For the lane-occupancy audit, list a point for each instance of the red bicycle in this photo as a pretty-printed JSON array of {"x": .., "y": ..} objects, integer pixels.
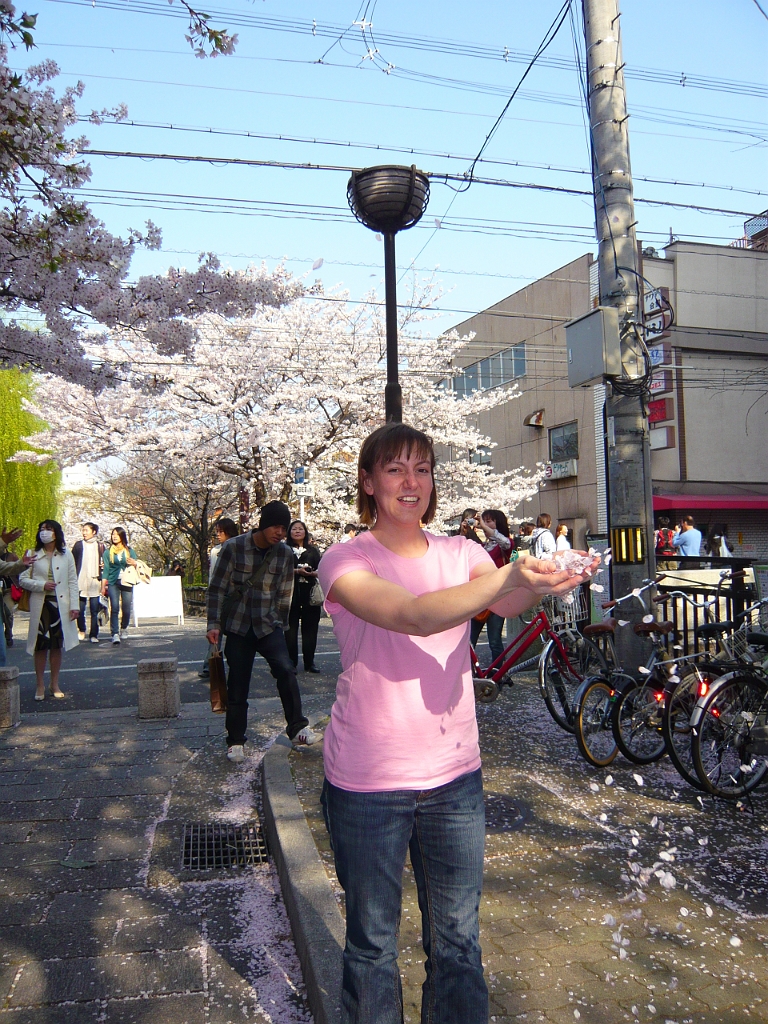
[{"x": 567, "y": 659}]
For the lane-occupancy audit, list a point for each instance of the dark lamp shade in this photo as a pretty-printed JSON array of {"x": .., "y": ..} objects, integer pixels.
[{"x": 388, "y": 198}]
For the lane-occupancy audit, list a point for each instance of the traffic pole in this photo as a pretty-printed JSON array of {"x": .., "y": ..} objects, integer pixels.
[{"x": 628, "y": 469}]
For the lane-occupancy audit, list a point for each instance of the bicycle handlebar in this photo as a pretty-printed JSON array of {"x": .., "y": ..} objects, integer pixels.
[
  {"x": 647, "y": 584},
  {"x": 660, "y": 598}
]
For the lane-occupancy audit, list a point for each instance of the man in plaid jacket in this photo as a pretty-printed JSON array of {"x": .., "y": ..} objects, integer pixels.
[{"x": 249, "y": 597}]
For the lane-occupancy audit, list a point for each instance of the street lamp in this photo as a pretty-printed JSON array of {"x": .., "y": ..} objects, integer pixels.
[{"x": 389, "y": 199}]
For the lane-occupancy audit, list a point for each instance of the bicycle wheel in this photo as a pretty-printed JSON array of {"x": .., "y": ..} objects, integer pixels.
[
  {"x": 593, "y": 710},
  {"x": 637, "y": 716},
  {"x": 679, "y": 701},
  {"x": 726, "y": 724},
  {"x": 559, "y": 677}
]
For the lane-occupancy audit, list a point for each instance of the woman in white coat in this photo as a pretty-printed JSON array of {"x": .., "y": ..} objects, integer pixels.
[{"x": 54, "y": 604}]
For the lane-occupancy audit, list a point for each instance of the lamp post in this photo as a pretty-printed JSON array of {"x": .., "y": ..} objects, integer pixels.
[{"x": 389, "y": 199}]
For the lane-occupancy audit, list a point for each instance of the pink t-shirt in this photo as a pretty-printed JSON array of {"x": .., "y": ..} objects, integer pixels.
[{"x": 404, "y": 715}]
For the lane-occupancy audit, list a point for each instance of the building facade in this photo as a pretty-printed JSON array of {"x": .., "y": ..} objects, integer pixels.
[{"x": 708, "y": 413}]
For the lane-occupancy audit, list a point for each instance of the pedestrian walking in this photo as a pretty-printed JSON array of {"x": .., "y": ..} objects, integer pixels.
[
  {"x": 249, "y": 598},
  {"x": 402, "y": 761},
  {"x": 498, "y": 544},
  {"x": 88, "y": 554},
  {"x": 116, "y": 559},
  {"x": 306, "y": 558},
  {"x": 54, "y": 604}
]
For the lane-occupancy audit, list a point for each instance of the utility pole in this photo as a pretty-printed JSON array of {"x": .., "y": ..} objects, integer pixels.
[{"x": 630, "y": 503}]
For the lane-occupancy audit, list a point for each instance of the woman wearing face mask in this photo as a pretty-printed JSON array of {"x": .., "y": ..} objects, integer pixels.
[{"x": 54, "y": 604}]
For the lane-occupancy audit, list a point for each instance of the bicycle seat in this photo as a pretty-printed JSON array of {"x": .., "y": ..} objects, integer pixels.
[
  {"x": 758, "y": 640},
  {"x": 710, "y": 629},
  {"x": 646, "y": 628},
  {"x": 598, "y": 628}
]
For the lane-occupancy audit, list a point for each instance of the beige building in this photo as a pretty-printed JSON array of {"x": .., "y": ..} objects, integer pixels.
[{"x": 708, "y": 413}]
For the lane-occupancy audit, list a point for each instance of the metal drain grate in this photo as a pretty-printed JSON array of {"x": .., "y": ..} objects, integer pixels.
[{"x": 205, "y": 847}]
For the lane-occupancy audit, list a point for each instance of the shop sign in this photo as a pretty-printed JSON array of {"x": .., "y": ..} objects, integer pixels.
[
  {"x": 661, "y": 409},
  {"x": 561, "y": 470}
]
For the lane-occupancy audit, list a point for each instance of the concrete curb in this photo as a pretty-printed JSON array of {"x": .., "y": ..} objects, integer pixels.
[{"x": 316, "y": 921}]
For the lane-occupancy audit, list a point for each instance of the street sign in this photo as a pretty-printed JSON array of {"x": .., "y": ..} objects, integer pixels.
[
  {"x": 561, "y": 470},
  {"x": 304, "y": 490},
  {"x": 655, "y": 306},
  {"x": 298, "y": 475}
]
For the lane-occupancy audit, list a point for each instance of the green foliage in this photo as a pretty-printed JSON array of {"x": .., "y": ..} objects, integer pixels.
[{"x": 28, "y": 493}]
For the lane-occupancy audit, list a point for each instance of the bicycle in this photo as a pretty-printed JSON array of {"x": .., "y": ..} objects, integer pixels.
[
  {"x": 615, "y": 711},
  {"x": 729, "y": 724},
  {"x": 566, "y": 660}
]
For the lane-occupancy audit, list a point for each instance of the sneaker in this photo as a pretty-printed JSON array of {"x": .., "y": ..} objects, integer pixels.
[
  {"x": 80, "y": 636},
  {"x": 115, "y": 638},
  {"x": 236, "y": 754},
  {"x": 124, "y": 634},
  {"x": 305, "y": 737},
  {"x": 94, "y": 639}
]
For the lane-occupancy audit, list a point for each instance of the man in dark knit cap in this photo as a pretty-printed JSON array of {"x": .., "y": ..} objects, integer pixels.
[{"x": 249, "y": 597}]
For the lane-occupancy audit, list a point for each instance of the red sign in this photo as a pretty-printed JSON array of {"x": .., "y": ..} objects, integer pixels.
[{"x": 661, "y": 409}]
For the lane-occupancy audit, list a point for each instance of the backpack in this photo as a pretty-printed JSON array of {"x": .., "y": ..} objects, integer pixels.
[{"x": 664, "y": 541}]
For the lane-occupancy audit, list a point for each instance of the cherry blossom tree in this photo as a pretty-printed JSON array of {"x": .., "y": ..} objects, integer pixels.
[
  {"x": 62, "y": 273},
  {"x": 299, "y": 385}
]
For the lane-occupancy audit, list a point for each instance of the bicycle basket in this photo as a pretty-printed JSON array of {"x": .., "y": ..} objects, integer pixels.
[{"x": 561, "y": 613}]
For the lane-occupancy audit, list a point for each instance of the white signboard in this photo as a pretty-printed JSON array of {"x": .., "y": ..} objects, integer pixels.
[
  {"x": 304, "y": 490},
  {"x": 161, "y": 598},
  {"x": 561, "y": 470},
  {"x": 654, "y": 308}
]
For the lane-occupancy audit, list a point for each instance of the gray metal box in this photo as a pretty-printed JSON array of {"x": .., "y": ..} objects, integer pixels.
[{"x": 593, "y": 347}]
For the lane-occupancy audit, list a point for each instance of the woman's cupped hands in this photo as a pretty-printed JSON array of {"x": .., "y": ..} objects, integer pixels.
[{"x": 542, "y": 576}]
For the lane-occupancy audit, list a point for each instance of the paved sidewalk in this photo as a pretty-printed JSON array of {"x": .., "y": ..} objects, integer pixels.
[
  {"x": 610, "y": 895},
  {"x": 97, "y": 920}
]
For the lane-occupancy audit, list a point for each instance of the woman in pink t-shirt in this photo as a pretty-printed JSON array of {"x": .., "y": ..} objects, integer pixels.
[{"x": 402, "y": 760}]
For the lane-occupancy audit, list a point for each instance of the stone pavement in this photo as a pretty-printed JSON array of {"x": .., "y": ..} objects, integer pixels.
[
  {"x": 610, "y": 895},
  {"x": 98, "y": 922}
]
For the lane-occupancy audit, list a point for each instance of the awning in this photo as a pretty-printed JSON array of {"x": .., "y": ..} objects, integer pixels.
[{"x": 686, "y": 501}]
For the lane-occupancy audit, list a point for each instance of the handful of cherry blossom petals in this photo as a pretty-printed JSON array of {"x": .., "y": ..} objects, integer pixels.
[{"x": 576, "y": 565}]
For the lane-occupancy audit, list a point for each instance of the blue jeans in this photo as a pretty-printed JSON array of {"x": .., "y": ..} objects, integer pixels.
[
  {"x": 444, "y": 829},
  {"x": 95, "y": 605},
  {"x": 494, "y": 624},
  {"x": 116, "y": 595}
]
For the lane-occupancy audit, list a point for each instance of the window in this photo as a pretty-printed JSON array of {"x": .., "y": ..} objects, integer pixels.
[
  {"x": 513, "y": 362},
  {"x": 482, "y": 457},
  {"x": 470, "y": 379},
  {"x": 564, "y": 442}
]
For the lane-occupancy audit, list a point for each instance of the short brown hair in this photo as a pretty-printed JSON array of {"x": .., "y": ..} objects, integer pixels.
[
  {"x": 545, "y": 520},
  {"x": 382, "y": 446}
]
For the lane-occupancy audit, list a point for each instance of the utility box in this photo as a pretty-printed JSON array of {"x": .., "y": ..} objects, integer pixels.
[{"x": 593, "y": 346}]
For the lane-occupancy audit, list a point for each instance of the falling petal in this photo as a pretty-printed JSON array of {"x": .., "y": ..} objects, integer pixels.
[
  {"x": 377, "y": 236},
  {"x": 603, "y": 817},
  {"x": 623, "y": 622},
  {"x": 317, "y": 264},
  {"x": 438, "y": 222},
  {"x": 635, "y": 841},
  {"x": 610, "y": 920},
  {"x": 674, "y": 679},
  {"x": 688, "y": 830},
  {"x": 735, "y": 940},
  {"x": 709, "y": 911},
  {"x": 638, "y": 779},
  {"x": 594, "y": 787},
  {"x": 576, "y": 1014},
  {"x": 654, "y": 821},
  {"x": 643, "y": 670},
  {"x": 704, "y": 841},
  {"x": 648, "y": 618},
  {"x": 668, "y": 880},
  {"x": 623, "y": 954},
  {"x": 609, "y": 780},
  {"x": 597, "y": 587}
]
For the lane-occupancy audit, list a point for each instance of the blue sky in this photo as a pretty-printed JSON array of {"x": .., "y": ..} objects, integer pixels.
[{"x": 438, "y": 103}]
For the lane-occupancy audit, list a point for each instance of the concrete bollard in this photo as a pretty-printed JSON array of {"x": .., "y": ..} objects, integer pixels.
[
  {"x": 10, "y": 713},
  {"x": 159, "y": 695}
]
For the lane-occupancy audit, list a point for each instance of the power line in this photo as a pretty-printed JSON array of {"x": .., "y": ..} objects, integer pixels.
[
  {"x": 424, "y": 44},
  {"x": 434, "y": 175},
  {"x": 411, "y": 151}
]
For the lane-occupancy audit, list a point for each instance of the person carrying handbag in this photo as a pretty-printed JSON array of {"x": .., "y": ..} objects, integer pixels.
[
  {"x": 499, "y": 546},
  {"x": 117, "y": 558}
]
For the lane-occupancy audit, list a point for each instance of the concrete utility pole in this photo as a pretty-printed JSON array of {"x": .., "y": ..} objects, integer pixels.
[{"x": 630, "y": 504}]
